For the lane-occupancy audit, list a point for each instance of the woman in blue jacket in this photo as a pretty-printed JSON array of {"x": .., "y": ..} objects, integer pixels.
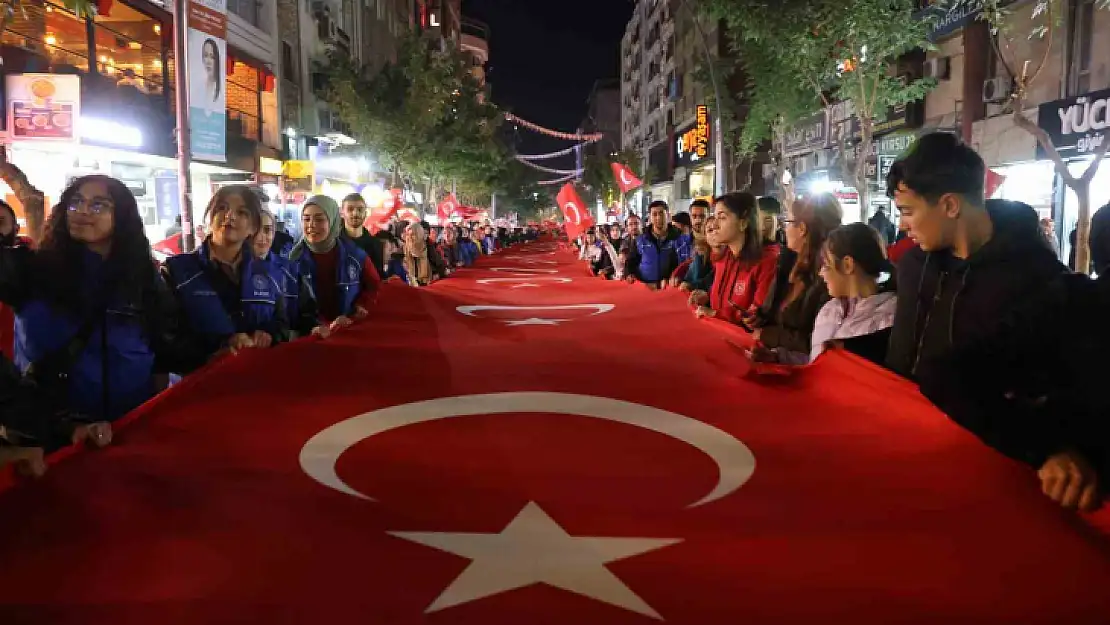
[
  {"x": 94, "y": 321},
  {"x": 231, "y": 299}
]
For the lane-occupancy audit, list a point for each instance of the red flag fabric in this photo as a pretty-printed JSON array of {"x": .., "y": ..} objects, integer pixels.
[
  {"x": 541, "y": 447},
  {"x": 448, "y": 207},
  {"x": 994, "y": 181},
  {"x": 626, "y": 180},
  {"x": 575, "y": 214}
]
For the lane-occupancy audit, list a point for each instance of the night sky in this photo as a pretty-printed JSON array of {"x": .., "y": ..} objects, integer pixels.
[{"x": 545, "y": 56}]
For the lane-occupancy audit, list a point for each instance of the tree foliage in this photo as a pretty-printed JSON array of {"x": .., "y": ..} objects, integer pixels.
[
  {"x": 800, "y": 55},
  {"x": 423, "y": 115}
]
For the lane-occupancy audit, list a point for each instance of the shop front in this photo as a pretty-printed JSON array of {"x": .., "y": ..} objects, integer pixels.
[
  {"x": 1078, "y": 128},
  {"x": 694, "y": 170}
]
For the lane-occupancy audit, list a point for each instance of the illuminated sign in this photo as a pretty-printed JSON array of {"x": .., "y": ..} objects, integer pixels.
[
  {"x": 269, "y": 166},
  {"x": 692, "y": 143}
]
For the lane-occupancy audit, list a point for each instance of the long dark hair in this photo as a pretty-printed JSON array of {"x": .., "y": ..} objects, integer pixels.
[
  {"x": 744, "y": 206},
  {"x": 821, "y": 214},
  {"x": 129, "y": 267},
  {"x": 866, "y": 247}
]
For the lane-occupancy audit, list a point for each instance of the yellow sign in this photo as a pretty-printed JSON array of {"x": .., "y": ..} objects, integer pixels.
[
  {"x": 269, "y": 166},
  {"x": 299, "y": 169}
]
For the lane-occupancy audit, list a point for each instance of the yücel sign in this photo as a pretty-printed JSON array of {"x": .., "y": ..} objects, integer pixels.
[
  {"x": 1077, "y": 125},
  {"x": 692, "y": 144}
]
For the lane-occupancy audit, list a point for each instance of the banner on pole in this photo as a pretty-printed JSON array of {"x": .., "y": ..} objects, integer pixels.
[{"x": 207, "y": 71}]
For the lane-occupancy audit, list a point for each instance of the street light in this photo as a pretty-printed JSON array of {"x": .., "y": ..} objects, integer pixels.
[{"x": 718, "y": 136}]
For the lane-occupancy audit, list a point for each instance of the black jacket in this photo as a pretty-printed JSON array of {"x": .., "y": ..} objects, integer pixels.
[
  {"x": 945, "y": 302},
  {"x": 1033, "y": 386}
]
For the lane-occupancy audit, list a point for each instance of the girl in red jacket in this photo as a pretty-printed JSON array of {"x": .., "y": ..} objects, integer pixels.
[{"x": 744, "y": 269}]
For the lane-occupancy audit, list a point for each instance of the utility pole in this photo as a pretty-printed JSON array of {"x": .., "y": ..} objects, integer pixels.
[{"x": 181, "y": 88}]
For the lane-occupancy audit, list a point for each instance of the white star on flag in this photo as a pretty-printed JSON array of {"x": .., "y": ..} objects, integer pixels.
[{"x": 534, "y": 549}]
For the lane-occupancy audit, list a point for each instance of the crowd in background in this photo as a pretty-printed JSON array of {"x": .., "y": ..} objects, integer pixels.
[
  {"x": 966, "y": 297},
  {"x": 92, "y": 326}
]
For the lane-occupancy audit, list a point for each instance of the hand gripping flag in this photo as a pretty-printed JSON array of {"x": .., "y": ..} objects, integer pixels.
[{"x": 626, "y": 180}]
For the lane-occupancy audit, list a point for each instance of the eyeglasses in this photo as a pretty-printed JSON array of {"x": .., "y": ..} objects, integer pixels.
[{"x": 96, "y": 206}]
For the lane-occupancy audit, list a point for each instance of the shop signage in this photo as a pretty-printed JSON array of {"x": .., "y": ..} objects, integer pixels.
[
  {"x": 299, "y": 175},
  {"x": 947, "y": 16},
  {"x": 208, "y": 79},
  {"x": 692, "y": 144},
  {"x": 43, "y": 107},
  {"x": 269, "y": 166},
  {"x": 807, "y": 135},
  {"x": 1078, "y": 126},
  {"x": 166, "y": 197}
]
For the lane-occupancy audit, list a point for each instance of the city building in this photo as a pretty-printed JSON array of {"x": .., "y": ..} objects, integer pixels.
[{"x": 475, "y": 42}]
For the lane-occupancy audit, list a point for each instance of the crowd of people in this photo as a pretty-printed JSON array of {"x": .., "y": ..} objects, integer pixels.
[
  {"x": 92, "y": 326},
  {"x": 966, "y": 297}
]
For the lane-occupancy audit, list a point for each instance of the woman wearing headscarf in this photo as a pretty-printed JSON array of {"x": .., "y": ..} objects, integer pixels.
[
  {"x": 417, "y": 265},
  {"x": 247, "y": 309},
  {"x": 343, "y": 277}
]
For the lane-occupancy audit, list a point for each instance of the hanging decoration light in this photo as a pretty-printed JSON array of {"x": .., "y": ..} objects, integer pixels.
[
  {"x": 570, "y": 150},
  {"x": 558, "y": 180},
  {"x": 548, "y": 170},
  {"x": 596, "y": 136}
]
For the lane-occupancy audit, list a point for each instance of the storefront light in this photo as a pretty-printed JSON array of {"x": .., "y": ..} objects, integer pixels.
[
  {"x": 111, "y": 133},
  {"x": 823, "y": 186},
  {"x": 291, "y": 132}
]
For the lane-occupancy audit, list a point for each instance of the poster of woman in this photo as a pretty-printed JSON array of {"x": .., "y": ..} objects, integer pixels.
[{"x": 208, "y": 79}]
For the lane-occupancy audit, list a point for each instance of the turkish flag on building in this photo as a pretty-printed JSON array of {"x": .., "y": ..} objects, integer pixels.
[
  {"x": 575, "y": 213},
  {"x": 448, "y": 207},
  {"x": 994, "y": 181},
  {"x": 626, "y": 180}
]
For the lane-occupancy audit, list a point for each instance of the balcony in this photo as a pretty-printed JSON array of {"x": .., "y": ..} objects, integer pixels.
[{"x": 475, "y": 39}]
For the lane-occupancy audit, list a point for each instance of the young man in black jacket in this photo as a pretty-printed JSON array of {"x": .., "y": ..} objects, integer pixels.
[{"x": 982, "y": 305}]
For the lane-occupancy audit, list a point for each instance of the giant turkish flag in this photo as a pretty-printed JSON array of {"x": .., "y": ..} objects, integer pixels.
[{"x": 520, "y": 444}]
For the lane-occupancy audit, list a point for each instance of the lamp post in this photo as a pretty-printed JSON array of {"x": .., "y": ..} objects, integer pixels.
[
  {"x": 181, "y": 93},
  {"x": 718, "y": 136}
]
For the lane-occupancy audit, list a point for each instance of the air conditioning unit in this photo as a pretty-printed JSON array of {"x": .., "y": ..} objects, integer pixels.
[
  {"x": 997, "y": 90},
  {"x": 938, "y": 68}
]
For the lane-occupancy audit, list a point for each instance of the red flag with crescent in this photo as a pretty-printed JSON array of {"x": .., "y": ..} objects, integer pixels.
[
  {"x": 626, "y": 180},
  {"x": 448, "y": 207},
  {"x": 575, "y": 213},
  {"x": 994, "y": 181}
]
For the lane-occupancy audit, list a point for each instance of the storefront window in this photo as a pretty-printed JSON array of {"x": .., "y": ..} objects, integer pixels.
[
  {"x": 129, "y": 48},
  {"x": 242, "y": 101},
  {"x": 701, "y": 183},
  {"x": 45, "y": 38}
]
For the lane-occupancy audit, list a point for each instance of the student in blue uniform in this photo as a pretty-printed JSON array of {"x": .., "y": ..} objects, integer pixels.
[
  {"x": 300, "y": 301},
  {"x": 231, "y": 299}
]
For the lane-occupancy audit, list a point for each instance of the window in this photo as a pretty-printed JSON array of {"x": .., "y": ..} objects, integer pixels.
[
  {"x": 288, "y": 63},
  {"x": 246, "y": 9},
  {"x": 129, "y": 47},
  {"x": 243, "y": 112},
  {"x": 45, "y": 38},
  {"x": 1086, "y": 17}
]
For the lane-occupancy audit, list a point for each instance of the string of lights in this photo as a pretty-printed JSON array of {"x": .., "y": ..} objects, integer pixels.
[
  {"x": 552, "y": 133},
  {"x": 540, "y": 157},
  {"x": 558, "y": 180},
  {"x": 548, "y": 170}
]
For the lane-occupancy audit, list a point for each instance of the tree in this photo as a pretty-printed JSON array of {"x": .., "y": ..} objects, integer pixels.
[
  {"x": 422, "y": 115},
  {"x": 1024, "y": 66},
  {"x": 800, "y": 55}
]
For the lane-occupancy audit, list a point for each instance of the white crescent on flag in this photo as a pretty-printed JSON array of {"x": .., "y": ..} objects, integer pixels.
[
  {"x": 577, "y": 216},
  {"x": 624, "y": 177}
]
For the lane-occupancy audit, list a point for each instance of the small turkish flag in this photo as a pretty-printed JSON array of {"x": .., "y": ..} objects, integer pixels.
[
  {"x": 448, "y": 207},
  {"x": 626, "y": 180},
  {"x": 575, "y": 213},
  {"x": 994, "y": 181}
]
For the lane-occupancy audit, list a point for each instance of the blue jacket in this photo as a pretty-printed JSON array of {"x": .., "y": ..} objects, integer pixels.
[
  {"x": 260, "y": 303},
  {"x": 115, "y": 372},
  {"x": 654, "y": 260},
  {"x": 489, "y": 243},
  {"x": 349, "y": 273},
  {"x": 290, "y": 284},
  {"x": 684, "y": 247},
  {"x": 700, "y": 273},
  {"x": 396, "y": 267}
]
